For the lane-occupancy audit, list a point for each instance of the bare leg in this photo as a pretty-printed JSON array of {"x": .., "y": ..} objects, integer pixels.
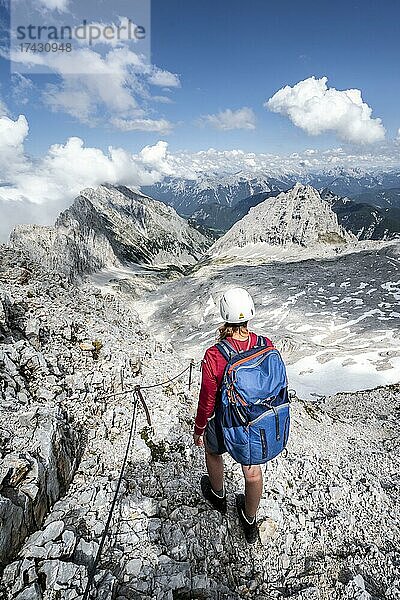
[
  {"x": 253, "y": 489},
  {"x": 215, "y": 468}
]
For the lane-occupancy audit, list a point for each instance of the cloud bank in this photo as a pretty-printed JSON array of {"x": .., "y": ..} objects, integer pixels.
[
  {"x": 36, "y": 191},
  {"x": 316, "y": 108}
]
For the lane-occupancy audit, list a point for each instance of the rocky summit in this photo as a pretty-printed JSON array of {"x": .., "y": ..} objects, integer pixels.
[
  {"x": 112, "y": 227},
  {"x": 297, "y": 217},
  {"x": 328, "y": 518}
]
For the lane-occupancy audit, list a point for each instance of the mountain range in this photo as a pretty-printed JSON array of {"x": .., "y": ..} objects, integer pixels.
[
  {"x": 116, "y": 228},
  {"x": 188, "y": 195},
  {"x": 386, "y": 198},
  {"x": 216, "y": 203}
]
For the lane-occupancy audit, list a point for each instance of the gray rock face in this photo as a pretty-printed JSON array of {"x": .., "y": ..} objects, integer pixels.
[
  {"x": 40, "y": 446},
  {"x": 38, "y": 463},
  {"x": 111, "y": 227},
  {"x": 297, "y": 217}
]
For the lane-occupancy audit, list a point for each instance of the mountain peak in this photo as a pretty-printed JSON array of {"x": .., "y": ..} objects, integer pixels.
[
  {"x": 303, "y": 188},
  {"x": 112, "y": 226},
  {"x": 298, "y": 217}
]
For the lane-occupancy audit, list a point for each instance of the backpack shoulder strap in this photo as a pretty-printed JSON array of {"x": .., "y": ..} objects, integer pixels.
[
  {"x": 226, "y": 349},
  {"x": 261, "y": 341}
]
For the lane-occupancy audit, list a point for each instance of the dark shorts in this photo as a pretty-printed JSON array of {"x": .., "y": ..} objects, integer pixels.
[{"x": 214, "y": 438}]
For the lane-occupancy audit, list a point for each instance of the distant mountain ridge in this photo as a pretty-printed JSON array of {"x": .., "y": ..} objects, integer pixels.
[
  {"x": 221, "y": 218},
  {"x": 365, "y": 221},
  {"x": 188, "y": 195},
  {"x": 387, "y": 198}
]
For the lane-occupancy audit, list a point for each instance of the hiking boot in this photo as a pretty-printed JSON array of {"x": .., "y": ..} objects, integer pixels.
[
  {"x": 250, "y": 529},
  {"x": 219, "y": 503}
]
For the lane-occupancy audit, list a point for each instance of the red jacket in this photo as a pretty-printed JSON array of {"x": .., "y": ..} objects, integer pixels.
[{"x": 213, "y": 367}]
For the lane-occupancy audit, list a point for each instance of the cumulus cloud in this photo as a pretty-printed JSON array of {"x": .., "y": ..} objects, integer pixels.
[
  {"x": 164, "y": 78},
  {"x": 95, "y": 88},
  {"x": 36, "y": 191},
  {"x": 161, "y": 126},
  {"x": 316, "y": 108},
  {"x": 243, "y": 118}
]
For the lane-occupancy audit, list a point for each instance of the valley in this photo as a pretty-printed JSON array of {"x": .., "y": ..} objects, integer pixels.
[{"x": 335, "y": 320}]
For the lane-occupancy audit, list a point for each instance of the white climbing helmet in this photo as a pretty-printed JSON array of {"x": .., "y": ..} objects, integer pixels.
[{"x": 236, "y": 306}]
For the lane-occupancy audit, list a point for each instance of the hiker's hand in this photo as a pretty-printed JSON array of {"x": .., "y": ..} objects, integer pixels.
[{"x": 198, "y": 440}]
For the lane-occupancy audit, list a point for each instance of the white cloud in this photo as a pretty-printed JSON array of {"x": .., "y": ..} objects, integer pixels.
[
  {"x": 243, "y": 118},
  {"x": 156, "y": 157},
  {"x": 3, "y": 108},
  {"x": 162, "y": 99},
  {"x": 111, "y": 33},
  {"x": 95, "y": 88},
  {"x": 21, "y": 88},
  {"x": 161, "y": 126},
  {"x": 109, "y": 85},
  {"x": 36, "y": 191},
  {"x": 60, "y": 5},
  {"x": 221, "y": 163},
  {"x": 164, "y": 78},
  {"x": 12, "y": 137},
  {"x": 316, "y": 109}
]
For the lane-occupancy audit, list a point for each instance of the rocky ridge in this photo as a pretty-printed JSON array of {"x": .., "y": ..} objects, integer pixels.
[
  {"x": 365, "y": 221},
  {"x": 328, "y": 519},
  {"x": 298, "y": 217},
  {"x": 112, "y": 227}
]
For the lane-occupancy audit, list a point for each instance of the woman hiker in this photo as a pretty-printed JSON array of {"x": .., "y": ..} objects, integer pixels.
[{"x": 236, "y": 308}]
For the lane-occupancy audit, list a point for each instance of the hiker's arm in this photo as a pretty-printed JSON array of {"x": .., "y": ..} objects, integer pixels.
[{"x": 208, "y": 395}]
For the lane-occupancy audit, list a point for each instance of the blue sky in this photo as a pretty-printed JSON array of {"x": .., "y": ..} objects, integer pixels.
[
  {"x": 235, "y": 54},
  {"x": 238, "y": 53}
]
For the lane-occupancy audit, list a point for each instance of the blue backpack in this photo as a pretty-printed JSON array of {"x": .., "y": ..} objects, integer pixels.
[{"x": 254, "y": 408}]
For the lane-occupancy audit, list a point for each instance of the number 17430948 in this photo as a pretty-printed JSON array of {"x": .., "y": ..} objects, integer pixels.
[{"x": 45, "y": 47}]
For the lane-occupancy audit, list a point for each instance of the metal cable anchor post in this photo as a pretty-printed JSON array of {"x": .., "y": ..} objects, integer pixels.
[{"x": 191, "y": 371}]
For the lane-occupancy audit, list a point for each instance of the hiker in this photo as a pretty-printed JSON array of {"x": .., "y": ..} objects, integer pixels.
[{"x": 236, "y": 308}]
